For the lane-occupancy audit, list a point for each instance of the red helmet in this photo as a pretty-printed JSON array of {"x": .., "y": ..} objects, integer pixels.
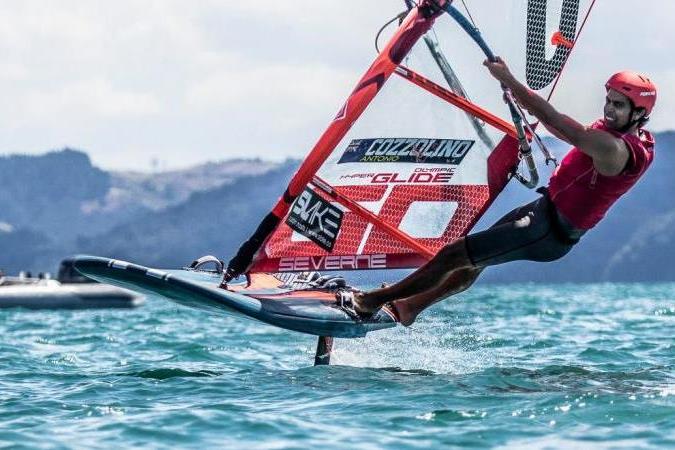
[{"x": 636, "y": 87}]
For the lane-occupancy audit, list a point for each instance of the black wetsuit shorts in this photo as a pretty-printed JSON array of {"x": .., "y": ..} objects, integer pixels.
[{"x": 533, "y": 232}]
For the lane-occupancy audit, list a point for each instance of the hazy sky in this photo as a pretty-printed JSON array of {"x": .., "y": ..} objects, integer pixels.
[{"x": 183, "y": 82}]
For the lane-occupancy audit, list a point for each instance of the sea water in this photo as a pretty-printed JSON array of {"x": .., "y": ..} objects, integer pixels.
[{"x": 559, "y": 366}]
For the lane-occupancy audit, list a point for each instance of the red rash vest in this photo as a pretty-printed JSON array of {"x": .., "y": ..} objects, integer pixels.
[{"x": 582, "y": 195}]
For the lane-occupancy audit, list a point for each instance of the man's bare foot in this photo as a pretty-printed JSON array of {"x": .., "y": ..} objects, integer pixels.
[
  {"x": 400, "y": 309},
  {"x": 361, "y": 306},
  {"x": 404, "y": 314}
]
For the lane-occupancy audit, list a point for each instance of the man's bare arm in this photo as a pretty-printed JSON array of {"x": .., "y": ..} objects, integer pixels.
[{"x": 609, "y": 153}]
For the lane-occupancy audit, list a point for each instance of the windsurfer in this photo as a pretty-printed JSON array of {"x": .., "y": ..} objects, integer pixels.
[{"x": 607, "y": 159}]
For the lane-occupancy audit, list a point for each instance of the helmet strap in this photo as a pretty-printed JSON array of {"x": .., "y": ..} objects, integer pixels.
[{"x": 631, "y": 123}]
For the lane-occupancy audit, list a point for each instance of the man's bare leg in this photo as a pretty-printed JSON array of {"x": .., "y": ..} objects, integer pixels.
[
  {"x": 430, "y": 276},
  {"x": 409, "y": 308}
]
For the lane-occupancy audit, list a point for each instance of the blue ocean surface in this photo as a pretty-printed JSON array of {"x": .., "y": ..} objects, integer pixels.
[{"x": 510, "y": 366}]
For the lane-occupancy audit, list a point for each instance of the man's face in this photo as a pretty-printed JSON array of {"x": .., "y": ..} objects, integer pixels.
[{"x": 617, "y": 110}]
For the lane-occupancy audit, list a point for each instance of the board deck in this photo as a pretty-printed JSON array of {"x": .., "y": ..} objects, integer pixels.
[{"x": 307, "y": 311}]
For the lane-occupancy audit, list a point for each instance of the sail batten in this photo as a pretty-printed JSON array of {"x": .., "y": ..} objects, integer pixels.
[{"x": 457, "y": 100}]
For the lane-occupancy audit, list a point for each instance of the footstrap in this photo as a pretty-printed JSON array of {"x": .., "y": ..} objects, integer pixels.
[{"x": 345, "y": 300}]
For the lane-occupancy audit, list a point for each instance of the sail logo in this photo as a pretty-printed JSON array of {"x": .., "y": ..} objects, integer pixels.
[
  {"x": 407, "y": 150},
  {"x": 316, "y": 219},
  {"x": 332, "y": 262},
  {"x": 539, "y": 70}
]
